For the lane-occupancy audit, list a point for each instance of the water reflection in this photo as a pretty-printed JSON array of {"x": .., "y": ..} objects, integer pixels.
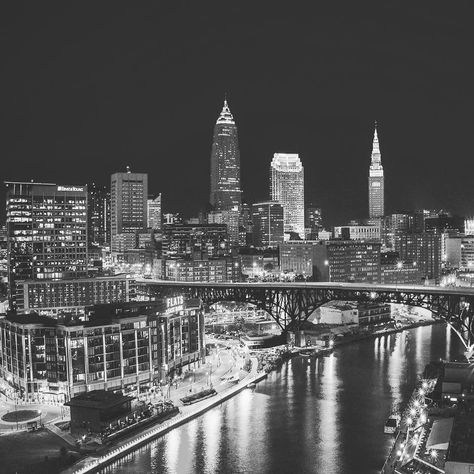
[{"x": 324, "y": 415}]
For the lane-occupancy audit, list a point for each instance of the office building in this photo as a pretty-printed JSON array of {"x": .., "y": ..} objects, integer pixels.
[
  {"x": 125, "y": 346},
  {"x": 424, "y": 249},
  {"x": 195, "y": 241},
  {"x": 358, "y": 232},
  {"x": 267, "y": 228},
  {"x": 347, "y": 261},
  {"x": 128, "y": 208},
  {"x": 225, "y": 163},
  {"x": 98, "y": 215},
  {"x": 212, "y": 270},
  {"x": 376, "y": 181},
  {"x": 154, "y": 213},
  {"x": 287, "y": 188},
  {"x": 314, "y": 221},
  {"x": 296, "y": 256},
  {"x": 46, "y": 232},
  {"x": 231, "y": 218},
  {"x": 70, "y": 297}
]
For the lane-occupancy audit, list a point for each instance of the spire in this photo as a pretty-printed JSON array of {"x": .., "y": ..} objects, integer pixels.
[
  {"x": 226, "y": 115},
  {"x": 376, "y": 158}
]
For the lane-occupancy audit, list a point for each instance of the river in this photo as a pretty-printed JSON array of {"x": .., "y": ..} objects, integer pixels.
[{"x": 311, "y": 416}]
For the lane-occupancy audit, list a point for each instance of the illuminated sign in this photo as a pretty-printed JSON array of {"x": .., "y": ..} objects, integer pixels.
[{"x": 71, "y": 188}]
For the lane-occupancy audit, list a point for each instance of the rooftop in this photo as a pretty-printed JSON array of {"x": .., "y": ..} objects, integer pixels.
[{"x": 99, "y": 399}]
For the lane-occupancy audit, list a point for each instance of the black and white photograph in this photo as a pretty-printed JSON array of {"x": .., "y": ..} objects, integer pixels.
[{"x": 236, "y": 237}]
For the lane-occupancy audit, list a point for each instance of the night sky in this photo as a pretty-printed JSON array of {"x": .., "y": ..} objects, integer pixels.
[{"x": 90, "y": 87}]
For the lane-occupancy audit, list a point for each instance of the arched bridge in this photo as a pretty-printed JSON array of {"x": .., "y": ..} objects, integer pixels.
[{"x": 290, "y": 304}]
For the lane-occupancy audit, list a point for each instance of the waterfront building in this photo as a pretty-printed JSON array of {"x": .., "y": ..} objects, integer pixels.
[
  {"x": 296, "y": 256},
  {"x": 129, "y": 192},
  {"x": 358, "y": 232},
  {"x": 154, "y": 213},
  {"x": 287, "y": 188},
  {"x": 123, "y": 346},
  {"x": 268, "y": 226},
  {"x": 71, "y": 297},
  {"x": 347, "y": 261},
  {"x": 376, "y": 181},
  {"x": 46, "y": 232},
  {"x": 195, "y": 241},
  {"x": 352, "y": 312},
  {"x": 422, "y": 248},
  {"x": 225, "y": 163},
  {"x": 209, "y": 270},
  {"x": 98, "y": 215}
]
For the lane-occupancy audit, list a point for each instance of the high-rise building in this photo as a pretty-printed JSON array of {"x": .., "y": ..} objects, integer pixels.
[
  {"x": 128, "y": 208},
  {"x": 422, "y": 249},
  {"x": 314, "y": 221},
  {"x": 154, "y": 213},
  {"x": 98, "y": 215},
  {"x": 376, "y": 181},
  {"x": 46, "y": 232},
  {"x": 267, "y": 218},
  {"x": 287, "y": 188},
  {"x": 225, "y": 163}
]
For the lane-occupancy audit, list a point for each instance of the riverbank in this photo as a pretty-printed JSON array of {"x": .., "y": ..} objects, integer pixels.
[
  {"x": 91, "y": 465},
  {"x": 258, "y": 372}
]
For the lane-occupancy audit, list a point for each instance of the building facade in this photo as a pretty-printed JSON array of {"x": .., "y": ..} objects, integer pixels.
[
  {"x": 376, "y": 181},
  {"x": 98, "y": 215},
  {"x": 128, "y": 208},
  {"x": 268, "y": 227},
  {"x": 154, "y": 213},
  {"x": 358, "y": 232},
  {"x": 46, "y": 232},
  {"x": 297, "y": 257},
  {"x": 287, "y": 188},
  {"x": 423, "y": 249},
  {"x": 211, "y": 270},
  {"x": 127, "y": 346},
  {"x": 71, "y": 297},
  {"x": 225, "y": 163},
  {"x": 347, "y": 261}
]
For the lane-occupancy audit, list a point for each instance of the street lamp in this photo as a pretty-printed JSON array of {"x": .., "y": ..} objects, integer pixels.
[{"x": 399, "y": 268}]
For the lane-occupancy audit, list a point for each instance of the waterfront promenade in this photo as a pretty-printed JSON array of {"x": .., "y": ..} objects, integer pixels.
[{"x": 91, "y": 464}]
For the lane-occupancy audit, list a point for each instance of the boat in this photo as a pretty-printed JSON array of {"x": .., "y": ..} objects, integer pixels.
[
  {"x": 251, "y": 385},
  {"x": 392, "y": 423}
]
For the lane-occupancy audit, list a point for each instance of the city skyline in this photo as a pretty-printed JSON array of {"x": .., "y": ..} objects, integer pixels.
[{"x": 116, "y": 118}]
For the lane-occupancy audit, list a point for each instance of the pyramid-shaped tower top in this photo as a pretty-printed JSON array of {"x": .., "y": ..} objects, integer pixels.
[
  {"x": 376, "y": 158},
  {"x": 226, "y": 116}
]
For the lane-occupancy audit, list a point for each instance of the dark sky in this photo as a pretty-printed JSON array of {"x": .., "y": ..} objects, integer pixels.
[{"x": 90, "y": 87}]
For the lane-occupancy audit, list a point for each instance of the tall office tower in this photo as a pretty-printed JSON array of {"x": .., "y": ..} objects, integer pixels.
[
  {"x": 376, "y": 181},
  {"x": 314, "y": 221},
  {"x": 128, "y": 208},
  {"x": 267, "y": 218},
  {"x": 98, "y": 215},
  {"x": 46, "y": 232},
  {"x": 287, "y": 188},
  {"x": 154, "y": 213},
  {"x": 225, "y": 163}
]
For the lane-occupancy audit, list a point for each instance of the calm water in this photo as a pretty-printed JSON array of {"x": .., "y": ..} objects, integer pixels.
[{"x": 324, "y": 416}]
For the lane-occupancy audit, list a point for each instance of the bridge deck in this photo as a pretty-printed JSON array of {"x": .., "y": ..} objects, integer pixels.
[{"x": 416, "y": 289}]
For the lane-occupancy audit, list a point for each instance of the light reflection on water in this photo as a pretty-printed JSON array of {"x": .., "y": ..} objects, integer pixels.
[{"x": 319, "y": 416}]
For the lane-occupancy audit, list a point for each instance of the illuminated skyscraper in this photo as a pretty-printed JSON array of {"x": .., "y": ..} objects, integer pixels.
[
  {"x": 128, "y": 208},
  {"x": 98, "y": 215},
  {"x": 287, "y": 188},
  {"x": 46, "y": 233},
  {"x": 376, "y": 181},
  {"x": 154, "y": 213},
  {"x": 225, "y": 163}
]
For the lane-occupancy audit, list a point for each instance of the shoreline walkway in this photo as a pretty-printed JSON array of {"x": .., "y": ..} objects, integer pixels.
[{"x": 90, "y": 464}]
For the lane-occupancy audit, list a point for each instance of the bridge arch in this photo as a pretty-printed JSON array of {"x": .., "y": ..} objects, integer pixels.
[{"x": 290, "y": 304}]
